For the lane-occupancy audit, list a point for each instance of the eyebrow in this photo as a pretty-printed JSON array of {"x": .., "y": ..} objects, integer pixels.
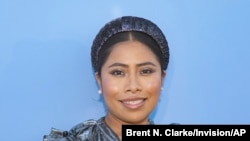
[{"x": 138, "y": 65}]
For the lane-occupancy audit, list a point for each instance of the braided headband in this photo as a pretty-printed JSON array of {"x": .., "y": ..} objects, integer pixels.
[{"x": 129, "y": 23}]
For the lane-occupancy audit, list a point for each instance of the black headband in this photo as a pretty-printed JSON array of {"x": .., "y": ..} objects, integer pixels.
[{"x": 129, "y": 23}]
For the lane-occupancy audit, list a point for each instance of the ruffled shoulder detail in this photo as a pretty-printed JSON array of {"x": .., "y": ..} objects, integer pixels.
[{"x": 79, "y": 132}]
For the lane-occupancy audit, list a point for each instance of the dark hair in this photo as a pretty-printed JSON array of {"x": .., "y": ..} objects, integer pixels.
[
  {"x": 125, "y": 36},
  {"x": 120, "y": 29}
]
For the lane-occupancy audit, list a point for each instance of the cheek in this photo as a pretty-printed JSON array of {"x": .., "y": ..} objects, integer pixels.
[
  {"x": 153, "y": 86},
  {"x": 109, "y": 87}
]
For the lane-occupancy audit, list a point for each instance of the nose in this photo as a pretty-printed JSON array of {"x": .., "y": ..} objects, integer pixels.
[{"x": 133, "y": 84}]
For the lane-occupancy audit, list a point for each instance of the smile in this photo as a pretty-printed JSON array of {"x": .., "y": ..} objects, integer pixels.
[{"x": 133, "y": 104}]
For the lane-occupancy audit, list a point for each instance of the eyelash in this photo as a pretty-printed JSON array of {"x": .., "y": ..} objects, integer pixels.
[
  {"x": 146, "y": 71},
  {"x": 142, "y": 72},
  {"x": 117, "y": 72}
]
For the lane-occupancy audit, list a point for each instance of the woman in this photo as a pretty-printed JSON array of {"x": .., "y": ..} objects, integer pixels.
[{"x": 129, "y": 56}]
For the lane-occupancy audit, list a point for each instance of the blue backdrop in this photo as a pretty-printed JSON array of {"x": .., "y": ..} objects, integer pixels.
[{"x": 46, "y": 78}]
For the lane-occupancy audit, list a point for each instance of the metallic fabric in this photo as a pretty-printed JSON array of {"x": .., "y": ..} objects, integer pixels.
[
  {"x": 129, "y": 23},
  {"x": 90, "y": 130}
]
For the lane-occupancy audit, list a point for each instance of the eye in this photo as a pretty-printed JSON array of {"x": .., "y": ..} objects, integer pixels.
[
  {"x": 146, "y": 71},
  {"x": 117, "y": 73}
]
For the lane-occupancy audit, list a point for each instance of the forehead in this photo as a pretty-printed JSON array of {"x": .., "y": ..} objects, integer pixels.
[{"x": 131, "y": 50}]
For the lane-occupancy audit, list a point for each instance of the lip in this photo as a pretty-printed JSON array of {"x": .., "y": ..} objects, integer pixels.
[{"x": 133, "y": 103}]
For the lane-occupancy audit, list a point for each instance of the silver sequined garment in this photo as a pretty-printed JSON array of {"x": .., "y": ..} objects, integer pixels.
[{"x": 90, "y": 130}]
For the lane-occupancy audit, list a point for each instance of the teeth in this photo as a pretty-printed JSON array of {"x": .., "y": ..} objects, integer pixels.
[{"x": 133, "y": 102}]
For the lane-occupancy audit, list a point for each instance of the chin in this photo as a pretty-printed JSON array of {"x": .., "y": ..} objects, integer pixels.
[{"x": 136, "y": 119}]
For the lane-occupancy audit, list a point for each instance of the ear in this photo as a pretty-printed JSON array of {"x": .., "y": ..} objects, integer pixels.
[
  {"x": 163, "y": 75},
  {"x": 98, "y": 79}
]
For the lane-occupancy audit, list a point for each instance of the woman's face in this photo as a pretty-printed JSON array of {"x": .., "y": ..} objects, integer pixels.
[{"x": 130, "y": 81}]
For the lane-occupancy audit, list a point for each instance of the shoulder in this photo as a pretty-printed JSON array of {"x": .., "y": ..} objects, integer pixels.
[
  {"x": 85, "y": 129},
  {"x": 82, "y": 131}
]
